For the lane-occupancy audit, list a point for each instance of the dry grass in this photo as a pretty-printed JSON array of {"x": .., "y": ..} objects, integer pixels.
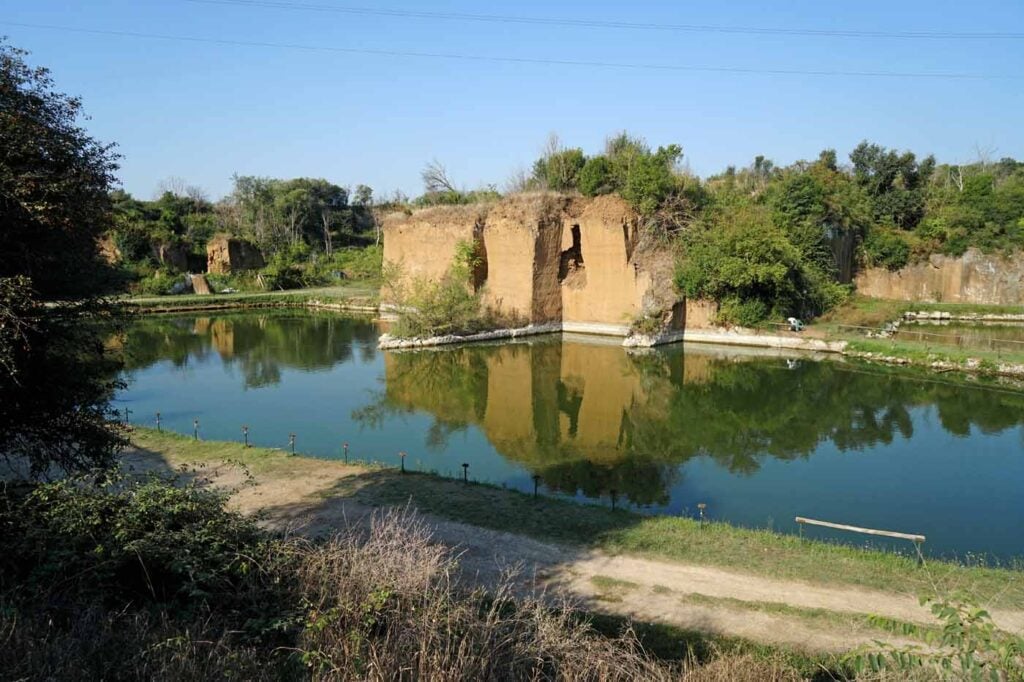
[{"x": 377, "y": 602}]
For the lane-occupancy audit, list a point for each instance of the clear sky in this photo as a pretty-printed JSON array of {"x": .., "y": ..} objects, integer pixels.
[{"x": 203, "y": 111}]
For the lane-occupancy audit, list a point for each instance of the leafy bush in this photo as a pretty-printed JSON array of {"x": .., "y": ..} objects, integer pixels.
[
  {"x": 129, "y": 543},
  {"x": 743, "y": 312},
  {"x": 649, "y": 179},
  {"x": 746, "y": 264},
  {"x": 596, "y": 177},
  {"x": 967, "y": 646},
  {"x": 886, "y": 248},
  {"x": 159, "y": 283},
  {"x": 359, "y": 263},
  {"x": 427, "y": 308},
  {"x": 435, "y": 308},
  {"x": 559, "y": 169}
]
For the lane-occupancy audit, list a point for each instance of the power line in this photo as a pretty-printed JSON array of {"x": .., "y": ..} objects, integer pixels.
[
  {"x": 639, "y": 26},
  {"x": 522, "y": 60}
]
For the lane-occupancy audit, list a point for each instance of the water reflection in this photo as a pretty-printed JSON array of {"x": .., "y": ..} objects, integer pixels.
[
  {"x": 592, "y": 418},
  {"x": 261, "y": 345},
  {"x": 757, "y": 438}
]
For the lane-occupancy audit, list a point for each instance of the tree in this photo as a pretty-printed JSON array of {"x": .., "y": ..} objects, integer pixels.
[
  {"x": 596, "y": 176},
  {"x": 558, "y": 168},
  {"x": 894, "y": 182},
  {"x": 54, "y": 205},
  {"x": 435, "y": 179}
]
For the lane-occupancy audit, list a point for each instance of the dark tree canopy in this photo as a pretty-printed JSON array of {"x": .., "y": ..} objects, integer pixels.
[
  {"x": 56, "y": 378},
  {"x": 54, "y": 183}
]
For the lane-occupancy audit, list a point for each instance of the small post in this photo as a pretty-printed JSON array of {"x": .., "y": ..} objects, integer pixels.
[
  {"x": 158, "y": 429},
  {"x": 401, "y": 455},
  {"x": 700, "y": 509},
  {"x": 920, "y": 556},
  {"x": 536, "y": 482},
  {"x": 801, "y": 524},
  {"x": 126, "y": 413},
  {"x": 291, "y": 442},
  {"x": 465, "y": 472},
  {"x": 615, "y": 496},
  {"x": 345, "y": 445},
  {"x": 195, "y": 428},
  {"x": 245, "y": 434}
]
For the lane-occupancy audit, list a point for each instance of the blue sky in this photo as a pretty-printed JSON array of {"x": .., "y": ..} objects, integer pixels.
[{"x": 203, "y": 111}]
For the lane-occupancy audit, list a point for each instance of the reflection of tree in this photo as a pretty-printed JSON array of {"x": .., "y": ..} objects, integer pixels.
[
  {"x": 591, "y": 419},
  {"x": 260, "y": 345}
]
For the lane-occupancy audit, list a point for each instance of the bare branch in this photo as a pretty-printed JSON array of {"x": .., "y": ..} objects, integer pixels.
[{"x": 435, "y": 178}]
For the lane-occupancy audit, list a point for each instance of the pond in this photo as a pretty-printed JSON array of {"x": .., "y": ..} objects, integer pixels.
[{"x": 758, "y": 439}]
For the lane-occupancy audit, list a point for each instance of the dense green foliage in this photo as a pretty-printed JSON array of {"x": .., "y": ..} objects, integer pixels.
[
  {"x": 645, "y": 178},
  {"x": 56, "y": 377},
  {"x": 308, "y": 230}
]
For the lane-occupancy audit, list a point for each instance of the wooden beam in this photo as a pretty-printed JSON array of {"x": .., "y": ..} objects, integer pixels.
[{"x": 857, "y": 529}]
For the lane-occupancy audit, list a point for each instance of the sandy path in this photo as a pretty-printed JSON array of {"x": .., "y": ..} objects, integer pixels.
[{"x": 298, "y": 503}]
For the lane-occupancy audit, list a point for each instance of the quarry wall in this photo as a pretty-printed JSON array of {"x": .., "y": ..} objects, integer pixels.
[
  {"x": 546, "y": 258},
  {"x": 226, "y": 254},
  {"x": 971, "y": 278},
  {"x": 423, "y": 244}
]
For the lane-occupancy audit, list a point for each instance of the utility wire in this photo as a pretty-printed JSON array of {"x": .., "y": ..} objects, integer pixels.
[
  {"x": 522, "y": 60},
  {"x": 593, "y": 23}
]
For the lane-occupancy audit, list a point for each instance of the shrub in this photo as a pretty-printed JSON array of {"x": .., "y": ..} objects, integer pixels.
[
  {"x": 743, "y": 312},
  {"x": 746, "y": 264},
  {"x": 886, "y": 248},
  {"x": 596, "y": 177},
  {"x": 446, "y": 306},
  {"x": 126, "y": 542},
  {"x": 967, "y": 646},
  {"x": 428, "y": 308},
  {"x": 358, "y": 263},
  {"x": 159, "y": 283}
]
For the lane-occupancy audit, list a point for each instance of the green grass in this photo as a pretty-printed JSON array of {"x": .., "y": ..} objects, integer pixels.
[
  {"x": 611, "y": 589},
  {"x": 363, "y": 294},
  {"x": 923, "y": 353},
  {"x": 966, "y": 308},
  {"x": 752, "y": 551}
]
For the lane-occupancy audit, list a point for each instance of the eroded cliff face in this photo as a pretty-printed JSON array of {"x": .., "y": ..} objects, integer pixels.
[
  {"x": 227, "y": 254},
  {"x": 547, "y": 258},
  {"x": 423, "y": 244},
  {"x": 972, "y": 278}
]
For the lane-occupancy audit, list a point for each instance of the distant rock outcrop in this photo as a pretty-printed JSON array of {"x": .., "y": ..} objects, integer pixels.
[{"x": 229, "y": 254}]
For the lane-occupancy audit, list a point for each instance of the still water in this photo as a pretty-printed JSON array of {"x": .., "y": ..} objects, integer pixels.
[{"x": 758, "y": 439}]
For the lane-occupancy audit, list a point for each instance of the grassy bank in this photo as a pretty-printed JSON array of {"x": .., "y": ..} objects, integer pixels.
[
  {"x": 759, "y": 552},
  {"x": 356, "y": 295}
]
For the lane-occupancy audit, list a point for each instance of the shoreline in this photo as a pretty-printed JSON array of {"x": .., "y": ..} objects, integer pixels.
[
  {"x": 743, "y": 338},
  {"x": 757, "y": 551}
]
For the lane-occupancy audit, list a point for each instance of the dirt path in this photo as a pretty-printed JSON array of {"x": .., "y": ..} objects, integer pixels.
[{"x": 786, "y": 612}]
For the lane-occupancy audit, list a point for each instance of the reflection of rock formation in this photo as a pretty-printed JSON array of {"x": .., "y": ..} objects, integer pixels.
[
  {"x": 564, "y": 410},
  {"x": 592, "y": 418}
]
